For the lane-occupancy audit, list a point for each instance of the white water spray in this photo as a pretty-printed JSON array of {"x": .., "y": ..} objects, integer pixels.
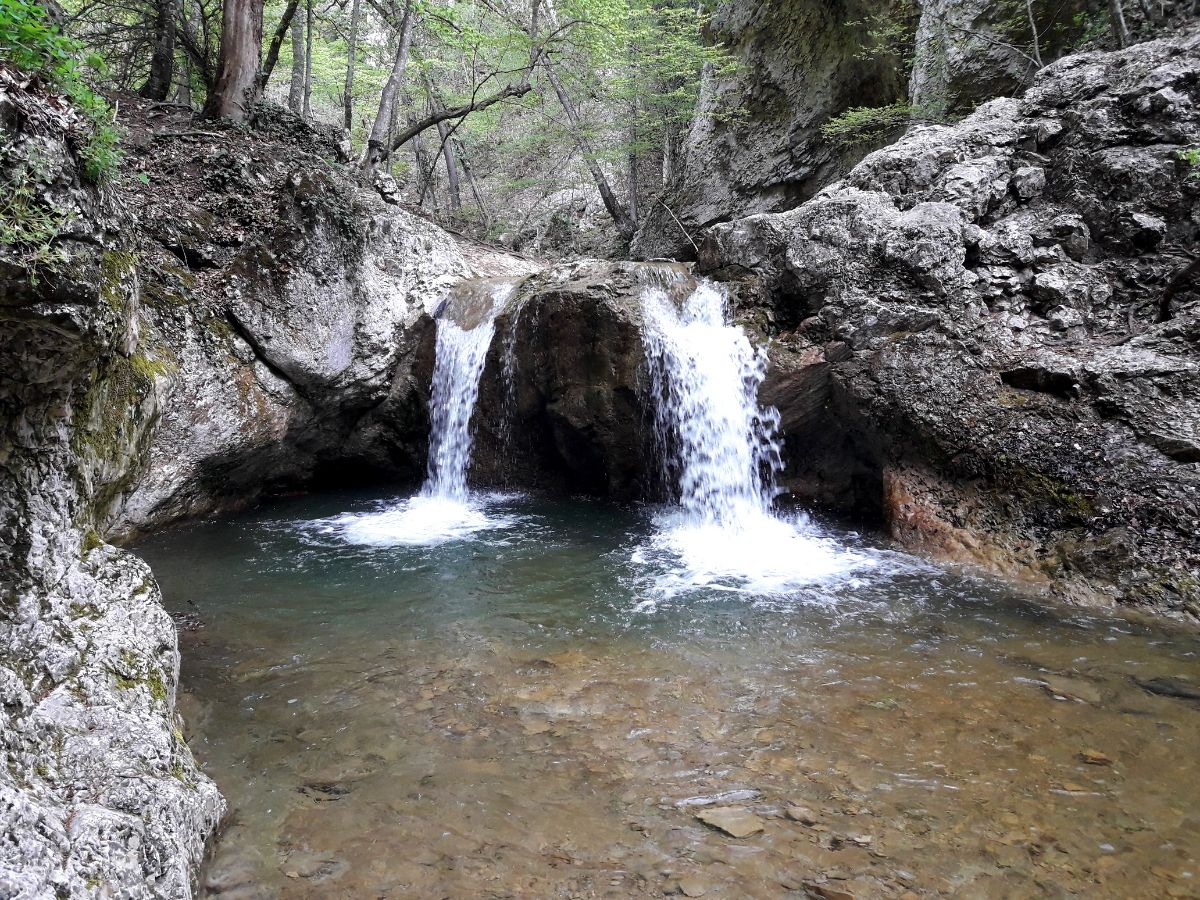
[
  {"x": 705, "y": 376},
  {"x": 722, "y": 451}
]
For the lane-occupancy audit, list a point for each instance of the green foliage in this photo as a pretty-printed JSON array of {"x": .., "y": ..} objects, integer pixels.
[
  {"x": 32, "y": 43},
  {"x": 29, "y": 228},
  {"x": 871, "y": 124},
  {"x": 890, "y": 33},
  {"x": 1089, "y": 27},
  {"x": 1191, "y": 157}
]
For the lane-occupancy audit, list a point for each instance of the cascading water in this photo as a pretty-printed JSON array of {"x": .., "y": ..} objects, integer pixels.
[
  {"x": 445, "y": 509},
  {"x": 705, "y": 377},
  {"x": 722, "y": 451},
  {"x": 461, "y": 354}
]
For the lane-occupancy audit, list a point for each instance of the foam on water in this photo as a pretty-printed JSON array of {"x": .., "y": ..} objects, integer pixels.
[
  {"x": 722, "y": 451},
  {"x": 423, "y": 520}
]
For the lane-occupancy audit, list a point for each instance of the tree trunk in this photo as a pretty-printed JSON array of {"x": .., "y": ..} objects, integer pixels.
[
  {"x": 193, "y": 39},
  {"x": 183, "y": 94},
  {"x": 162, "y": 61},
  {"x": 452, "y": 182},
  {"x": 351, "y": 51},
  {"x": 296, "y": 86},
  {"x": 466, "y": 167},
  {"x": 1116, "y": 12},
  {"x": 619, "y": 215},
  {"x": 378, "y": 144},
  {"x": 425, "y": 174},
  {"x": 1033, "y": 30},
  {"x": 281, "y": 31},
  {"x": 308, "y": 42},
  {"x": 241, "y": 48}
]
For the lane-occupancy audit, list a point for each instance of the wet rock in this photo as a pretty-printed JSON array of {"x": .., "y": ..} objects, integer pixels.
[
  {"x": 831, "y": 890},
  {"x": 563, "y": 402},
  {"x": 1169, "y": 686},
  {"x": 693, "y": 886},
  {"x": 734, "y": 821},
  {"x": 1095, "y": 758},
  {"x": 1072, "y": 689}
]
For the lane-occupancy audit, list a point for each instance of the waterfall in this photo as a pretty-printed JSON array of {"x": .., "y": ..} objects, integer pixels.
[
  {"x": 705, "y": 374},
  {"x": 721, "y": 451},
  {"x": 461, "y": 353},
  {"x": 445, "y": 509}
]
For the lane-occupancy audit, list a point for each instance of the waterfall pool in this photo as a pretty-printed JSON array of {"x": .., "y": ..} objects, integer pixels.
[{"x": 547, "y": 705}]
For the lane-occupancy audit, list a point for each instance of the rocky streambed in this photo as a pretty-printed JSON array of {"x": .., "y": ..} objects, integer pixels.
[{"x": 541, "y": 709}]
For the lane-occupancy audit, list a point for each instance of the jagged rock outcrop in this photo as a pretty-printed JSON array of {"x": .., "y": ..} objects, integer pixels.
[
  {"x": 283, "y": 303},
  {"x": 994, "y": 320},
  {"x": 755, "y": 144},
  {"x": 99, "y": 793},
  {"x": 966, "y": 52}
]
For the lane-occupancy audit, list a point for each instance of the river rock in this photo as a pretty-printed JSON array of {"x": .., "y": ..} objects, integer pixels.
[{"x": 734, "y": 821}]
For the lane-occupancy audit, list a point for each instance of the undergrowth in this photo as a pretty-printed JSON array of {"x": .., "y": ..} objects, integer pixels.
[{"x": 37, "y": 46}]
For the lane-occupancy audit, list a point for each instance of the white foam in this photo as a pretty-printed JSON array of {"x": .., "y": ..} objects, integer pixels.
[
  {"x": 723, "y": 450},
  {"x": 422, "y": 520},
  {"x": 755, "y": 553}
]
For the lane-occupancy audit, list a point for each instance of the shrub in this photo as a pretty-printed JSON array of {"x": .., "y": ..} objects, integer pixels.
[
  {"x": 34, "y": 44},
  {"x": 1191, "y": 157},
  {"x": 871, "y": 124}
]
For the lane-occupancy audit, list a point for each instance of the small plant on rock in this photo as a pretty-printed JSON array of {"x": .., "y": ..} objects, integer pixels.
[
  {"x": 872, "y": 124},
  {"x": 1191, "y": 157}
]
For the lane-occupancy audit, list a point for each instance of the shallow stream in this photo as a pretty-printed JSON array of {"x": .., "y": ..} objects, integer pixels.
[{"x": 541, "y": 702}]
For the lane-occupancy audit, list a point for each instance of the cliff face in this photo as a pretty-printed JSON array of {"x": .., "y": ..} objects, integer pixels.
[
  {"x": 755, "y": 144},
  {"x": 98, "y": 786},
  {"x": 993, "y": 323}
]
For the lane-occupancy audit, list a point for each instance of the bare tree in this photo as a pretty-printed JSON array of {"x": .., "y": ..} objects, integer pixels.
[
  {"x": 378, "y": 145},
  {"x": 236, "y": 89},
  {"x": 1033, "y": 30}
]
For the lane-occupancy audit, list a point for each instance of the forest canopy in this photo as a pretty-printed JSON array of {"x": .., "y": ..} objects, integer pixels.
[{"x": 484, "y": 111}]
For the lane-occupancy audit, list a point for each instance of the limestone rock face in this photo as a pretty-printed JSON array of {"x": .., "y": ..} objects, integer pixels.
[
  {"x": 755, "y": 144},
  {"x": 99, "y": 793},
  {"x": 991, "y": 326},
  {"x": 274, "y": 358}
]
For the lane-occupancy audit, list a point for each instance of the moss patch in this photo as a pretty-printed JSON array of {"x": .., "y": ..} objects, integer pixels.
[{"x": 116, "y": 266}]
